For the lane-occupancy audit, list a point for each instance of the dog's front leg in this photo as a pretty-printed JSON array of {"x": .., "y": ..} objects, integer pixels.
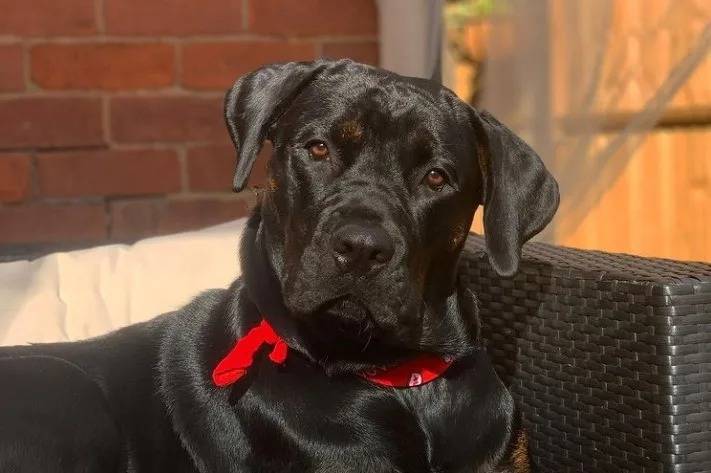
[
  {"x": 216, "y": 442},
  {"x": 202, "y": 417},
  {"x": 210, "y": 432}
]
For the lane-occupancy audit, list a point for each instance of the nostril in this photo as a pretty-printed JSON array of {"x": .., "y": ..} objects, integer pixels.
[
  {"x": 342, "y": 246},
  {"x": 380, "y": 257}
]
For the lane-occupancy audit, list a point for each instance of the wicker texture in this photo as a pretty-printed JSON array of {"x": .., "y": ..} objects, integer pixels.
[{"x": 608, "y": 356}]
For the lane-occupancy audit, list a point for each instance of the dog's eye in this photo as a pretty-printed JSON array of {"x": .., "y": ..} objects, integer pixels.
[
  {"x": 317, "y": 149},
  {"x": 436, "y": 179}
]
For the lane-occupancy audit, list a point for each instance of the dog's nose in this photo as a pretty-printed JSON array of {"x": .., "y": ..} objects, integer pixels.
[{"x": 361, "y": 248}]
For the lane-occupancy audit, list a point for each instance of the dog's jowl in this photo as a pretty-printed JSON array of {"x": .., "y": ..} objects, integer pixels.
[{"x": 348, "y": 344}]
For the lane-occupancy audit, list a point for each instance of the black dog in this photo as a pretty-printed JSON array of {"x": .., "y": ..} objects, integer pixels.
[{"x": 351, "y": 258}]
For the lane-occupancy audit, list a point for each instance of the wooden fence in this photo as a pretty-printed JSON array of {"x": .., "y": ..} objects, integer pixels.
[{"x": 659, "y": 202}]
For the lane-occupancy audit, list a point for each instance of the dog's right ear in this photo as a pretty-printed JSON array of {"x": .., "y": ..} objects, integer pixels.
[{"x": 255, "y": 101}]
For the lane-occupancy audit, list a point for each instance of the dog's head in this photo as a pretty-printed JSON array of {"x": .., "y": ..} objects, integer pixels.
[{"x": 372, "y": 187}]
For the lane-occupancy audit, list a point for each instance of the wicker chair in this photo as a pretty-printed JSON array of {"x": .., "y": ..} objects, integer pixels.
[{"x": 608, "y": 356}]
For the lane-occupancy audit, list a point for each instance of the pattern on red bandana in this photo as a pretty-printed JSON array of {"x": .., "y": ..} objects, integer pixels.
[
  {"x": 411, "y": 373},
  {"x": 231, "y": 368}
]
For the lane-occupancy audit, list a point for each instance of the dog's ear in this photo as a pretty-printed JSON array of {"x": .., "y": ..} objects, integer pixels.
[
  {"x": 255, "y": 101},
  {"x": 520, "y": 196}
]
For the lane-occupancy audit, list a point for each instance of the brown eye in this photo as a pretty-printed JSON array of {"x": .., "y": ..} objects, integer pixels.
[
  {"x": 435, "y": 179},
  {"x": 318, "y": 150}
]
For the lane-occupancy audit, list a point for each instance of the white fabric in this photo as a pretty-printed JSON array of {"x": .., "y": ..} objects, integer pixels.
[{"x": 80, "y": 294}]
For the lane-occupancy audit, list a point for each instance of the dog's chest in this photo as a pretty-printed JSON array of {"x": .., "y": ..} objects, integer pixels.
[{"x": 454, "y": 424}]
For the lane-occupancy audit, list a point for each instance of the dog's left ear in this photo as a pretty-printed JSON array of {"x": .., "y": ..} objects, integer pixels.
[
  {"x": 255, "y": 101},
  {"x": 520, "y": 196}
]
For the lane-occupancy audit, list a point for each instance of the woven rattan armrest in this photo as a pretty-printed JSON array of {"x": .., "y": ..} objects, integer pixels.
[{"x": 607, "y": 355}]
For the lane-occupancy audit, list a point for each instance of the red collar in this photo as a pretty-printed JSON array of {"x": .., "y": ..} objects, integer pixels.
[{"x": 231, "y": 368}]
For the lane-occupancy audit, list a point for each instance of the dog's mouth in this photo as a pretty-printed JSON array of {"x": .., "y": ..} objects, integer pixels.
[
  {"x": 346, "y": 317},
  {"x": 345, "y": 334},
  {"x": 346, "y": 307},
  {"x": 343, "y": 318}
]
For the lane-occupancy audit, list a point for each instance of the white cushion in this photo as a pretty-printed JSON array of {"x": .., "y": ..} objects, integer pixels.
[{"x": 80, "y": 294}]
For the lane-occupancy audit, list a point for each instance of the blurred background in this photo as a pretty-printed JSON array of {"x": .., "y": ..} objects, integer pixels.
[
  {"x": 111, "y": 124},
  {"x": 615, "y": 95}
]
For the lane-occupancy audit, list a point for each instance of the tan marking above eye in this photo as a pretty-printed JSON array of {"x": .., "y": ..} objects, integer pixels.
[
  {"x": 352, "y": 130},
  {"x": 272, "y": 184},
  {"x": 435, "y": 179},
  {"x": 318, "y": 150}
]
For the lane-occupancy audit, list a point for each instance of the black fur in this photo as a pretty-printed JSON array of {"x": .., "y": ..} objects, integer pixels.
[{"x": 141, "y": 399}]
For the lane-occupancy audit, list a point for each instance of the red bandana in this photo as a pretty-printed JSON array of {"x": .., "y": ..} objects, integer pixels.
[{"x": 231, "y": 368}]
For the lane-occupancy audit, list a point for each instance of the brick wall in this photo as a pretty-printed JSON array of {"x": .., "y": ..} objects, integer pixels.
[{"x": 111, "y": 122}]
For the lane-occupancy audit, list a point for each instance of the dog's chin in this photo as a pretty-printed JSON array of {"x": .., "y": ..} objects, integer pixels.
[
  {"x": 343, "y": 317},
  {"x": 346, "y": 335},
  {"x": 349, "y": 310}
]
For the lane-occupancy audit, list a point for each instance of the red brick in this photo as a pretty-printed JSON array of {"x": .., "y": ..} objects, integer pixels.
[
  {"x": 129, "y": 172},
  {"x": 211, "y": 168},
  {"x": 103, "y": 66},
  {"x": 313, "y": 17},
  {"x": 44, "y": 122},
  {"x": 217, "y": 65},
  {"x": 145, "y": 119},
  {"x": 11, "y": 68},
  {"x": 47, "y": 223},
  {"x": 15, "y": 171},
  {"x": 47, "y": 17},
  {"x": 361, "y": 52},
  {"x": 173, "y": 17},
  {"x": 140, "y": 218}
]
